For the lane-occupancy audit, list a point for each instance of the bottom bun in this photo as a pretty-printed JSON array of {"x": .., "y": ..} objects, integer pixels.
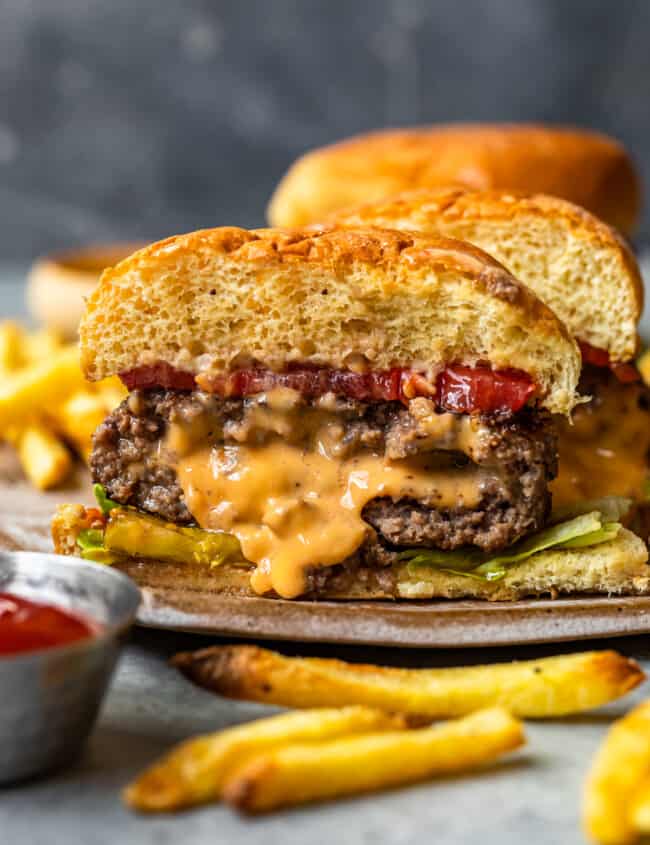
[{"x": 618, "y": 567}]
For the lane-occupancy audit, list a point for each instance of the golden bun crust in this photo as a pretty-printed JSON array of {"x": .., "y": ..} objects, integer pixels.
[
  {"x": 213, "y": 300},
  {"x": 581, "y": 267},
  {"x": 619, "y": 567},
  {"x": 587, "y": 168},
  {"x": 58, "y": 285},
  {"x": 616, "y": 568}
]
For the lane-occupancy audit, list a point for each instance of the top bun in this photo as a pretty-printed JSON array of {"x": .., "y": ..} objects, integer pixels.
[
  {"x": 579, "y": 266},
  {"x": 587, "y": 168},
  {"x": 211, "y": 301}
]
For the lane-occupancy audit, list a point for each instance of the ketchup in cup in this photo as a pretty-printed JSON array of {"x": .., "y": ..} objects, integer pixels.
[{"x": 26, "y": 625}]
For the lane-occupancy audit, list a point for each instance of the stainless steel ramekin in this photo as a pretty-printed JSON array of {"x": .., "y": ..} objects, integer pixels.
[{"x": 49, "y": 698}]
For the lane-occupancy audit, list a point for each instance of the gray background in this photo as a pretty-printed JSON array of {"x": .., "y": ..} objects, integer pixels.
[{"x": 141, "y": 118}]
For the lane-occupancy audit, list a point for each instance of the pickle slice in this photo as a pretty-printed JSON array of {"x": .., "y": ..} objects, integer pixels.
[{"x": 131, "y": 533}]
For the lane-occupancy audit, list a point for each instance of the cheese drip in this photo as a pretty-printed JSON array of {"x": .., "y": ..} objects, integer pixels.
[
  {"x": 294, "y": 506},
  {"x": 604, "y": 451}
]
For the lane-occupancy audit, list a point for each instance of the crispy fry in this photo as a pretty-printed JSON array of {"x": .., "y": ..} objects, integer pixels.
[
  {"x": 299, "y": 773},
  {"x": 194, "y": 772},
  {"x": 12, "y": 347},
  {"x": 45, "y": 460},
  {"x": 43, "y": 388},
  {"x": 640, "y": 809},
  {"x": 112, "y": 392},
  {"x": 620, "y": 768},
  {"x": 78, "y": 418},
  {"x": 552, "y": 686},
  {"x": 41, "y": 345},
  {"x": 40, "y": 387}
]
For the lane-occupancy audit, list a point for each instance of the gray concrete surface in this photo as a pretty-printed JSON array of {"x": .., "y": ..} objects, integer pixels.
[{"x": 534, "y": 797}]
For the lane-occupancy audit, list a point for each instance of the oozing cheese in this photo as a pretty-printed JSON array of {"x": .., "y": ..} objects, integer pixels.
[
  {"x": 293, "y": 509},
  {"x": 298, "y": 505},
  {"x": 606, "y": 448}
]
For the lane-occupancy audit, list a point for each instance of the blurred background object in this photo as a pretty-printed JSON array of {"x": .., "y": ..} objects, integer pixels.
[
  {"x": 587, "y": 168},
  {"x": 138, "y": 119},
  {"x": 58, "y": 285}
]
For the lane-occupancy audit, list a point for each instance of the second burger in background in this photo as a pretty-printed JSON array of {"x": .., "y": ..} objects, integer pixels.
[
  {"x": 586, "y": 273},
  {"x": 587, "y": 168}
]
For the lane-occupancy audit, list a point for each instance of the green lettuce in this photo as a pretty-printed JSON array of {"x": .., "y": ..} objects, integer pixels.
[
  {"x": 587, "y": 529},
  {"x": 106, "y": 505}
]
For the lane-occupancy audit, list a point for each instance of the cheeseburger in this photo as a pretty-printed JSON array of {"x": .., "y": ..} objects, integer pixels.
[{"x": 341, "y": 413}]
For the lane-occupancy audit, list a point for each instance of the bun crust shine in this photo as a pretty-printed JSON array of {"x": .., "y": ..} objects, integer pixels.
[
  {"x": 587, "y": 168},
  {"x": 214, "y": 300},
  {"x": 581, "y": 267}
]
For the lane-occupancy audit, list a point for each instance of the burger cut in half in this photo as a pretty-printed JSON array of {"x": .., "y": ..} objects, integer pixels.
[
  {"x": 336, "y": 413},
  {"x": 587, "y": 274}
]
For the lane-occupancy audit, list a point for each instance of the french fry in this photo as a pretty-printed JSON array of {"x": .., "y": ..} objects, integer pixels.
[
  {"x": 41, "y": 345},
  {"x": 39, "y": 387},
  {"x": 619, "y": 772},
  {"x": 296, "y": 774},
  {"x": 79, "y": 416},
  {"x": 551, "y": 686},
  {"x": 43, "y": 394},
  {"x": 640, "y": 811},
  {"x": 194, "y": 772},
  {"x": 45, "y": 460},
  {"x": 112, "y": 392},
  {"x": 12, "y": 347}
]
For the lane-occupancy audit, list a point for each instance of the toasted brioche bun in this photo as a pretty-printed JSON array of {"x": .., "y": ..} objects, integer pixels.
[
  {"x": 58, "y": 285},
  {"x": 618, "y": 567},
  {"x": 213, "y": 300},
  {"x": 587, "y": 168},
  {"x": 581, "y": 267}
]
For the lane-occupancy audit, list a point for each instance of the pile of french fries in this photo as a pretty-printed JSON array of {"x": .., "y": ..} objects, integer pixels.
[
  {"x": 48, "y": 412},
  {"x": 364, "y": 728}
]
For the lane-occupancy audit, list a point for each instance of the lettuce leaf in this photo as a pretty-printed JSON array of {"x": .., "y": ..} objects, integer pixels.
[
  {"x": 609, "y": 531},
  {"x": 587, "y": 529},
  {"x": 105, "y": 504}
]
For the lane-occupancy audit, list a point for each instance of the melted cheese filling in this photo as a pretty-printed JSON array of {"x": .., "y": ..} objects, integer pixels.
[
  {"x": 298, "y": 505},
  {"x": 605, "y": 451}
]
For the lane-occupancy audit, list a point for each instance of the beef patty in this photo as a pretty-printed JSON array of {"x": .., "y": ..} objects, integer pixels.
[{"x": 520, "y": 453}]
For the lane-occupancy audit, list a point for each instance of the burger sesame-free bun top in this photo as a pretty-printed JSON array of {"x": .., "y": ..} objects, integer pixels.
[
  {"x": 587, "y": 168},
  {"x": 578, "y": 265},
  {"x": 213, "y": 300}
]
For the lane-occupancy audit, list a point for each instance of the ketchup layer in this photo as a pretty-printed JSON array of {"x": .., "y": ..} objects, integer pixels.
[
  {"x": 625, "y": 373},
  {"x": 458, "y": 388},
  {"x": 28, "y": 626}
]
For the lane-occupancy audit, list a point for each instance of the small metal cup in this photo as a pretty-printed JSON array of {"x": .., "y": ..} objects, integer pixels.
[{"x": 49, "y": 699}]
